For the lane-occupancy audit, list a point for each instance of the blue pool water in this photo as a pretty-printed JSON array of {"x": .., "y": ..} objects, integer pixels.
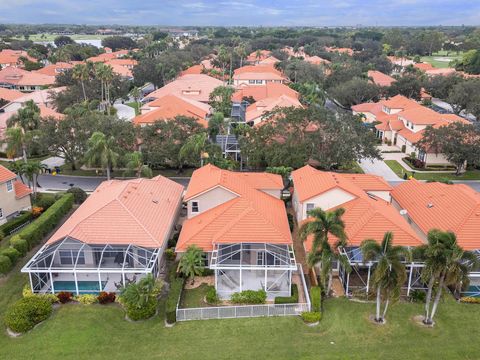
[
  {"x": 83, "y": 286},
  {"x": 473, "y": 291}
]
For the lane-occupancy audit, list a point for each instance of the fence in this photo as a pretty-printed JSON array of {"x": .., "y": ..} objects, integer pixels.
[
  {"x": 228, "y": 312},
  {"x": 20, "y": 227}
]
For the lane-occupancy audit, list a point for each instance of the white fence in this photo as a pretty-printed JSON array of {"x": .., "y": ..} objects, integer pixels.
[{"x": 228, "y": 312}]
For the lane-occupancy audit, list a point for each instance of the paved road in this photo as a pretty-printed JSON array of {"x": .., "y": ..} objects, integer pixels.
[{"x": 87, "y": 183}]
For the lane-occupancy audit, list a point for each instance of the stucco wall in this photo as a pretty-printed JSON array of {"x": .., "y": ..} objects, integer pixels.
[
  {"x": 9, "y": 204},
  {"x": 209, "y": 200}
]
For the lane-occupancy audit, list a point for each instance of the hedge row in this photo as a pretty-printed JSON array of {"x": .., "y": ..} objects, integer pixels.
[
  {"x": 34, "y": 232},
  {"x": 316, "y": 298},
  {"x": 288, "y": 299},
  {"x": 176, "y": 286},
  {"x": 249, "y": 297},
  {"x": 11, "y": 225}
]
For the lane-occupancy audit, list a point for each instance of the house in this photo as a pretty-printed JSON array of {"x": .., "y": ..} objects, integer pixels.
[
  {"x": 25, "y": 81},
  {"x": 268, "y": 90},
  {"x": 257, "y": 75},
  {"x": 191, "y": 86},
  {"x": 10, "y": 95},
  {"x": 402, "y": 122},
  {"x": 257, "y": 111},
  {"x": 368, "y": 215},
  {"x": 116, "y": 236},
  {"x": 240, "y": 222},
  {"x": 346, "y": 51},
  {"x": 12, "y": 58},
  {"x": 257, "y": 56},
  {"x": 316, "y": 60},
  {"x": 445, "y": 207},
  {"x": 400, "y": 61},
  {"x": 270, "y": 61},
  {"x": 14, "y": 195},
  {"x": 55, "y": 69},
  {"x": 40, "y": 98},
  {"x": 170, "y": 106},
  {"x": 380, "y": 79}
]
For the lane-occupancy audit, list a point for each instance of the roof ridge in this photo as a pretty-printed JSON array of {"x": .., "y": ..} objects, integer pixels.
[{"x": 139, "y": 222}]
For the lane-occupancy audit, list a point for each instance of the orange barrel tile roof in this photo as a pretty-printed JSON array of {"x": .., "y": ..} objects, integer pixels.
[
  {"x": 6, "y": 174},
  {"x": 253, "y": 216},
  {"x": 139, "y": 212},
  {"x": 261, "y": 72},
  {"x": 380, "y": 78},
  {"x": 260, "y": 92},
  {"x": 441, "y": 206},
  {"x": 20, "y": 77},
  {"x": 21, "y": 190},
  {"x": 10, "y": 95},
  {"x": 55, "y": 69}
]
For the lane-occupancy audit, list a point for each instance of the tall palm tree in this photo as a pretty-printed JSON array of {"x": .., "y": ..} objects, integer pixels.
[
  {"x": 101, "y": 150},
  {"x": 389, "y": 272},
  {"x": 323, "y": 224},
  {"x": 136, "y": 94},
  {"x": 31, "y": 170},
  {"x": 191, "y": 263},
  {"x": 223, "y": 57},
  {"x": 195, "y": 145},
  {"x": 18, "y": 168},
  {"x": 446, "y": 264},
  {"x": 241, "y": 52},
  {"x": 81, "y": 73},
  {"x": 135, "y": 164}
]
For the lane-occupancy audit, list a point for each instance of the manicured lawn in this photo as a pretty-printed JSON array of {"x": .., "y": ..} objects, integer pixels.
[
  {"x": 434, "y": 59},
  {"x": 135, "y": 106},
  {"x": 192, "y": 298},
  {"x": 400, "y": 170}
]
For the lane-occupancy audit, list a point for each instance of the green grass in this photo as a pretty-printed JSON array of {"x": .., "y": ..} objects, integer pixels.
[
  {"x": 441, "y": 54},
  {"x": 192, "y": 298},
  {"x": 400, "y": 171},
  {"x": 135, "y": 106}
]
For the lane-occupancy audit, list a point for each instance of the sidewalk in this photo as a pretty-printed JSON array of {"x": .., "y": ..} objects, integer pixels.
[{"x": 399, "y": 157}]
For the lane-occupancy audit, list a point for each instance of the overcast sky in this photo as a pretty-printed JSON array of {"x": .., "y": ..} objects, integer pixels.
[{"x": 243, "y": 12}]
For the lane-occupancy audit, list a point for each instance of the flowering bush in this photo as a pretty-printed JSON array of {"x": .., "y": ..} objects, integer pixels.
[
  {"x": 64, "y": 296},
  {"x": 86, "y": 299},
  {"x": 470, "y": 300},
  {"x": 36, "y": 211},
  {"x": 106, "y": 297}
]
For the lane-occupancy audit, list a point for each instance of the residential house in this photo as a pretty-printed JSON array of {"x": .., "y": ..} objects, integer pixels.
[
  {"x": 40, "y": 98},
  {"x": 316, "y": 60},
  {"x": 116, "y": 236},
  {"x": 402, "y": 122},
  {"x": 368, "y": 215},
  {"x": 257, "y": 56},
  {"x": 257, "y": 112},
  {"x": 269, "y": 90},
  {"x": 257, "y": 75},
  {"x": 25, "y": 81},
  {"x": 170, "y": 106},
  {"x": 380, "y": 79},
  {"x": 10, "y": 95},
  {"x": 55, "y": 69},
  {"x": 14, "y": 195},
  {"x": 192, "y": 86},
  {"x": 12, "y": 58},
  {"x": 446, "y": 207},
  {"x": 240, "y": 222},
  {"x": 346, "y": 51},
  {"x": 269, "y": 61}
]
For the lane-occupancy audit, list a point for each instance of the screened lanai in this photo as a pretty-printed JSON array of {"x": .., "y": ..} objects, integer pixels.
[
  {"x": 71, "y": 265},
  {"x": 358, "y": 279},
  {"x": 253, "y": 266}
]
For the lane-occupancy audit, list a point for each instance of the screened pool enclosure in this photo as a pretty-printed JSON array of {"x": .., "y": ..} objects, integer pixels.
[
  {"x": 71, "y": 265},
  {"x": 252, "y": 266}
]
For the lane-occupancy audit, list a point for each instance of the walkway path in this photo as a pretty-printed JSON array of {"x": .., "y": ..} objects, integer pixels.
[
  {"x": 124, "y": 112},
  {"x": 399, "y": 157}
]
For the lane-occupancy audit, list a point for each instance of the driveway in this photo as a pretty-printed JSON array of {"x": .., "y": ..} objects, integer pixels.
[
  {"x": 378, "y": 167},
  {"x": 124, "y": 112}
]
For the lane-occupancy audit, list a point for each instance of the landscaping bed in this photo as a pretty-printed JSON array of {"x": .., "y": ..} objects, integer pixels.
[{"x": 400, "y": 171}]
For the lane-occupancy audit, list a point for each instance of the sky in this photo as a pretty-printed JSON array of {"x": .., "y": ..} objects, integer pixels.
[{"x": 243, "y": 12}]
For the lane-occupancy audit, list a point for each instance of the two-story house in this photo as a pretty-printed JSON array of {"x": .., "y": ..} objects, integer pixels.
[
  {"x": 239, "y": 220},
  {"x": 258, "y": 75},
  {"x": 14, "y": 195}
]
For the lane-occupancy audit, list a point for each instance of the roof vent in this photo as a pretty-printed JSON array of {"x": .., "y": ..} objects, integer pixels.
[
  {"x": 403, "y": 212},
  {"x": 155, "y": 201},
  {"x": 429, "y": 205}
]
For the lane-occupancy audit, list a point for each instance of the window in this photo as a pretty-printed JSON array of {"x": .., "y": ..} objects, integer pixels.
[
  {"x": 260, "y": 258},
  {"x": 310, "y": 206},
  {"x": 9, "y": 185},
  {"x": 1, "y": 213},
  {"x": 194, "y": 206},
  {"x": 258, "y": 81},
  {"x": 251, "y": 81}
]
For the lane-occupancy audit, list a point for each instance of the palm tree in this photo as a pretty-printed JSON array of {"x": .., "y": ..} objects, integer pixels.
[
  {"x": 135, "y": 164},
  {"x": 446, "y": 264},
  {"x": 191, "y": 263},
  {"x": 323, "y": 224},
  {"x": 138, "y": 295},
  {"x": 136, "y": 94},
  {"x": 223, "y": 57},
  {"x": 31, "y": 170},
  {"x": 81, "y": 73},
  {"x": 195, "y": 144},
  {"x": 18, "y": 168},
  {"x": 101, "y": 150},
  {"x": 389, "y": 272},
  {"x": 241, "y": 52}
]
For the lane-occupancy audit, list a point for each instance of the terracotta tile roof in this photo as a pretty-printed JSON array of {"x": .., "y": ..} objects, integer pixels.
[
  {"x": 423, "y": 66},
  {"x": 261, "y": 92},
  {"x": 371, "y": 107},
  {"x": 259, "y": 108},
  {"x": 271, "y": 60},
  {"x": 40, "y": 97},
  {"x": 21, "y": 190},
  {"x": 379, "y": 78},
  {"x": 10, "y": 95},
  {"x": 197, "y": 87},
  {"x": 130, "y": 63},
  {"x": 400, "y": 102},
  {"x": 121, "y": 70},
  {"x": 6, "y": 174},
  {"x": 263, "y": 55},
  {"x": 440, "y": 206},
  {"x": 139, "y": 211},
  {"x": 195, "y": 70},
  {"x": 11, "y": 57},
  {"x": 170, "y": 106},
  {"x": 251, "y": 217},
  {"x": 316, "y": 60},
  {"x": 441, "y": 72},
  {"x": 49, "y": 112},
  {"x": 260, "y": 72},
  {"x": 20, "y": 77},
  {"x": 55, "y": 69}
]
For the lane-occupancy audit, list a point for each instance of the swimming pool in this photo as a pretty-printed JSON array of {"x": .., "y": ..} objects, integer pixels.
[
  {"x": 83, "y": 286},
  {"x": 472, "y": 291}
]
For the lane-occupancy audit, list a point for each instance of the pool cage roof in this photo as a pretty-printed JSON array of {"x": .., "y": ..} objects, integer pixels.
[
  {"x": 124, "y": 258},
  {"x": 355, "y": 256}
]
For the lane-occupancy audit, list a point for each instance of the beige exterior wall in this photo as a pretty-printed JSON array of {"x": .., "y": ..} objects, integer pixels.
[
  {"x": 385, "y": 195},
  {"x": 369, "y": 117},
  {"x": 325, "y": 201},
  {"x": 275, "y": 193},
  {"x": 209, "y": 200},
  {"x": 10, "y": 204},
  {"x": 414, "y": 226},
  {"x": 431, "y": 158}
]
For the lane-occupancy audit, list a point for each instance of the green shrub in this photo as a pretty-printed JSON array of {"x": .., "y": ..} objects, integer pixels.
[
  {"x": 176, "y": 286},
  {"x": 311, "y": 317},
  {"x": 316, "y": 298},
  {"x": 5, "y": 264},
  {"x": 207, "y": 272},
  {"x": 27, "y": 312},
  {"x": 34, "y": 232},
  {"x": 50, "y": 297},
  {"x": 86, "y": 299},
  {"x": 418, "y": 296},
  {"x": 64, "y": 296},
  {"x": 288, "y": 299},
  {"x": 170, "y": 254},
  {"x": 173, "y": 241},
  {"x": 212, "y": 296},
  {"x": 79, "y": 195},
  {"x": 291, "y": 221},
  {"x": 19, "y": 244},
  {"x": 27, "y": 291},
  {"x": 11, "y": 253},
  {"x": 145, "y": 312},
  {"x": 11, "y": 225},
  {"x": 106, "y": 297},
  {"x": 249, "y": 297},
  {"x": 44, "y": 200}
]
